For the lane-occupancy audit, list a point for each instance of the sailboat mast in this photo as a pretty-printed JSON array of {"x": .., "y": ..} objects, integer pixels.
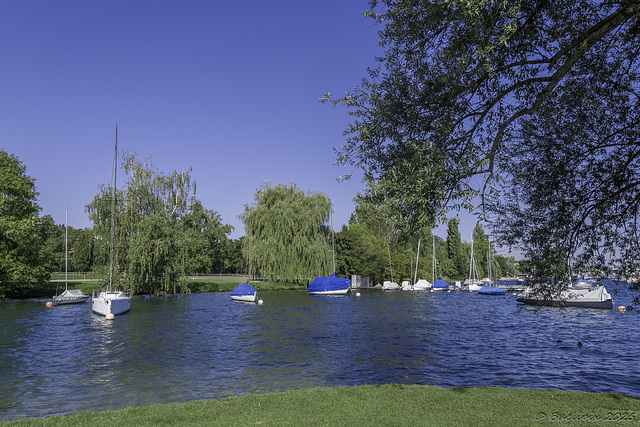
[
  {"x": 471, "y": 260},
  {"x": 66, "y": 227},
  {"x": 415, "y": 277},
  {"x": 433, "y": 277},
  {"x": 113, "y": 225},
  {"x": 249, "y": 235},
  {"x": 333, "y": 243}
]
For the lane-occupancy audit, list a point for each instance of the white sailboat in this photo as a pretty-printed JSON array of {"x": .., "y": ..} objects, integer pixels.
[
  {"x": 112, "y": 302},
  {"x": 422, "y": 284},
  {"x": 473, "y": 284},
  {"x": 389, "y": 285},
  {"x": 69, "y": 296}
]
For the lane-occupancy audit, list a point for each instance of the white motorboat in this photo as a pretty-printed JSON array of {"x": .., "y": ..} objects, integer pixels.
[{"x": 582, "y": 294}]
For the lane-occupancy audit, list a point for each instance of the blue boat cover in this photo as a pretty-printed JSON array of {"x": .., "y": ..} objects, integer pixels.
[
  {"x": 492, "y": 290},
  {"x": 441, "y": 284},
  {"x": 330, "y": 283},
  {"x": 243, "y": 289}
]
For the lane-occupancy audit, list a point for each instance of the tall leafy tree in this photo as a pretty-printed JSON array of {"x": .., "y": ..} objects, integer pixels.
[
  {"x": 24, "y": 258},
  {"x": 289, "y": 234},
  {"x": 481, "y": 249},
  {"x": 156, "y": 214},
  {"x": 455, "y": 248},
  {"x": 360, "y": 252},
  {"x": 205, "y": 237},
  {"x": 437, "y": 124}
]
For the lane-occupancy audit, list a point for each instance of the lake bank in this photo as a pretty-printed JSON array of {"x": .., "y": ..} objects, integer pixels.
[{"x": 379, "y": 405}]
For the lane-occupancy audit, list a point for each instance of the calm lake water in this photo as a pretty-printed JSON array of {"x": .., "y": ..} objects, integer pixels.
[{"x": 65, "y": 359}]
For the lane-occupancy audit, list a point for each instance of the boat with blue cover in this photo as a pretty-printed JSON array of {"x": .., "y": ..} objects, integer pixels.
[
  {"x": 491, "y": 290},
  {"x": 244, "y": 292},
  {"x": 440, "y": 285},
  {"x": 329, "y": 285}
]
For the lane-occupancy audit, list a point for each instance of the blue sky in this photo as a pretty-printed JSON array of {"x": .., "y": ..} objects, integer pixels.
[{"x": 229, "y": 89}]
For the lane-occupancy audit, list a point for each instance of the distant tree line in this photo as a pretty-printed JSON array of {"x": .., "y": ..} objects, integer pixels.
[
  {"x": 370, "y": 245},
  {"x": 164, "y": 233}
]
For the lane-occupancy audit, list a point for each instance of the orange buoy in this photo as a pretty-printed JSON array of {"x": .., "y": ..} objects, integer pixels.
[
  {"x": 110, "y": 316},
  {"x": 622, "y": 308},
  {"x": 49, "y": 304},
  {"x": 357, "y": 294}
]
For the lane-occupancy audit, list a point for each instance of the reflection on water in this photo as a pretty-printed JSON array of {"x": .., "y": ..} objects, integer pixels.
[{"x": 203, "y": 346}]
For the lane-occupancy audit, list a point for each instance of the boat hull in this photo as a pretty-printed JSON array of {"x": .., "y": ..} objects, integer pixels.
[
  {"x": 245, "y": 298},
  {"x": 330, "y": 285},
  {"x": 440, "y": 285},
  {"x": 111, "y": 302},
  {"x": 605, "y": 305},
  {"x": 492, "y": 290},
  {"x": 332, "y": 292},
  {"x": 61, "y": 300},
  {"x": 596, "y": 297},
  {"x": 244, "y": 292}
]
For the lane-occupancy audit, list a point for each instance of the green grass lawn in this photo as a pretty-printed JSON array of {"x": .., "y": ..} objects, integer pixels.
[{"x": 383, "y": 405}]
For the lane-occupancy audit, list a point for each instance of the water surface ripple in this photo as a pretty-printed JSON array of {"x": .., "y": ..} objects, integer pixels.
[{"x": 65, "y": 359}]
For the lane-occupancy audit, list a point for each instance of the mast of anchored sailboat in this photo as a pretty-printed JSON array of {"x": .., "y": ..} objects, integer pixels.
[
  {"x": 66, "y": 227},
  {"x": 333, "y": 244},
  {"x": 113, "y": 225}
]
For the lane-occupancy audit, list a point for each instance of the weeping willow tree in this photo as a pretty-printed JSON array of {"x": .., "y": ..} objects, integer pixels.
[
  {"x": 149, "y": 242},
  {"x": 288, "y": 233}
]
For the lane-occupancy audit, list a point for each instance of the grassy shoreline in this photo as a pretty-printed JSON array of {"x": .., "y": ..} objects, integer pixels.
[{"x": 379, "y": 405}]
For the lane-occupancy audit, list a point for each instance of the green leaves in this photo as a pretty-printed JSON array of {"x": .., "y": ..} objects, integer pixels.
[
  {"x": 288, "y": 233},
  {"x": 23, "y": 256},
  {"x": 455, "y": 83},
  {"x": 163, "y": 231}
]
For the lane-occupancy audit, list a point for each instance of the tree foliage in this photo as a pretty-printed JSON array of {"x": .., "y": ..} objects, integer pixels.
[
  {"x": 162, "y": 229},
  {"x": 572, "y": 190},
  {"x": 24, "y": 258},
  {"x": 288, "y": 233},
  {"x": 462, "y": 84},
  {"x": 455, "y": 249}
]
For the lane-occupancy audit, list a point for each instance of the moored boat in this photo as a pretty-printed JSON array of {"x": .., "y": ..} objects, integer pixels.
[
  {"x": 582, "y": 294},
  {"x": 244, "y": 292},
  {"x": 440, "y": 285},
  {"x": 329, "y": 285},
  {"x": 111, "y": 301},
  {"x": 69, "y": 296},
  {"x": 491, "y": 290},
  {"x": 422, "y": 285}
]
